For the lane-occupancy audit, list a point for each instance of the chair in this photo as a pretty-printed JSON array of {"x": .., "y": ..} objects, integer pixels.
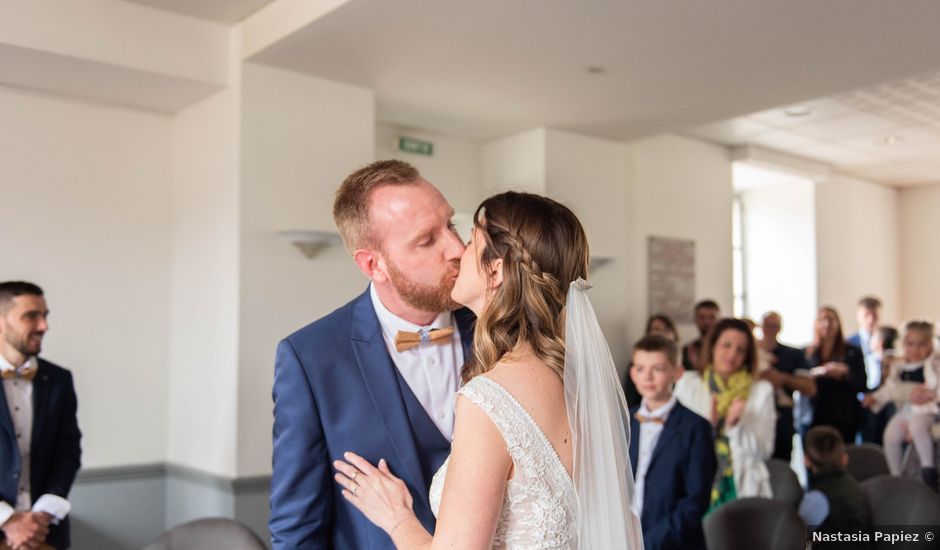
[
  {"x": 784, "y": 483},
  {"x": 866, "y": 461},
  {"x": 749, "y": 523},
  {"x": 208, "y": 534},
  {"x": 900, "y": 501}
]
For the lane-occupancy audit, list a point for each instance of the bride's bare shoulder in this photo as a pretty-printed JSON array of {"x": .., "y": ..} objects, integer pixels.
[{"x": 529, "y": 380}]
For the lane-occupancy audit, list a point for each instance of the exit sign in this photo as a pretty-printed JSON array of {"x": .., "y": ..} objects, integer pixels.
[{"x": 416, "y": 146}]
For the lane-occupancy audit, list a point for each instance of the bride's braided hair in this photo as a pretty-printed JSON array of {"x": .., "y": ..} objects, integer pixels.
[{"x": 543, "y": 248}]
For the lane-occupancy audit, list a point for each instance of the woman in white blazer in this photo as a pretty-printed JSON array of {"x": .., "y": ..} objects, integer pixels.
[{"x": 740, "y": 407}]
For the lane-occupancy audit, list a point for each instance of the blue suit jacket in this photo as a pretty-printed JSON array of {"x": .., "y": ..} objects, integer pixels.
[
  {"x": 336, "y": 389},
  {"x": 678, "y": 482},
  {"x": 55, "y": 453}
]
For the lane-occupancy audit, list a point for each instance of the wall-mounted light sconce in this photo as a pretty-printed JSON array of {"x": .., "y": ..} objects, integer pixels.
[
  {"x": 311, "y": 242},
  {"x": 597, "y": 262}
]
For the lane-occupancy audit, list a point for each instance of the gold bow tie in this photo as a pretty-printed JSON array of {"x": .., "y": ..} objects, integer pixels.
[
  {"x": 656, "y": 419},
  {"x": 25, "y": 374},
  {"x": 406, "y": 340}
]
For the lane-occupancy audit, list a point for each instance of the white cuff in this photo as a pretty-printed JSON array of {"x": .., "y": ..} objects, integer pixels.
[
  {"x": 54, "y": 505},
  {"x": 5, "y": 512}
]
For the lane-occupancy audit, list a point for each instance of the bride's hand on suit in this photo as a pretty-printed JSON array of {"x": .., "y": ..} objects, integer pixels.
[{"x": 375, "y": 492}]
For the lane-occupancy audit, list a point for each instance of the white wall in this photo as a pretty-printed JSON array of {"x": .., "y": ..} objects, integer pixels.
[
  {"x": 919, "y": 264},
  {"x": 679, "y": 188},
  {"x": 203, "y": 369},
  {"x": 589, "y": 176},
  {"x": 515, "y": 162},
  {"x": 780, "y": 254},
  {"x": 857, "y": 246},
  {"x": 301, "y": 137},
  {"x": 456, "y": 167},
  {"x": 87, "y": 216}
]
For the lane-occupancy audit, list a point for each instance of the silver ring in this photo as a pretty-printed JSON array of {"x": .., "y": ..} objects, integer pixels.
[{"x": 355, "y": 489}]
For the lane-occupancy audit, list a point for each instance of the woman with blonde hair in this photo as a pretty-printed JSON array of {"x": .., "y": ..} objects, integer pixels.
[
  {"x": 539, "y": 458},
  {"x": 740, "y": 407}
]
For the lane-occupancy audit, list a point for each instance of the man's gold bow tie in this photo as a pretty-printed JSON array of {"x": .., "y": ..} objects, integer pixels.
[
  {"x": 406, "y": 340},
  {"x": 25, "y": 374},
  {"x": 656, "y": 419}
]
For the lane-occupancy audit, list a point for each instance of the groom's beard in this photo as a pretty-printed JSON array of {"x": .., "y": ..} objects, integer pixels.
[{"x": 423, "y": 296}]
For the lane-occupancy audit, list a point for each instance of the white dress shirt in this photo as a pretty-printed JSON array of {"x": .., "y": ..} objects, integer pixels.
[
  {"x": 19, "y": 395},
  {"x": 431, "y": 370},
  {"x": 649, "y": 436},
  {"x": 872, "y": 364}
]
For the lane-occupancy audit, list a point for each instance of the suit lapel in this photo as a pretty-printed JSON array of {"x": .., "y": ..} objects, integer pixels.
[
  {"x": 667, "y": 436},
  {"x": 379, "y": 374},
  {"x": 5, "y": 419},
  {"x": 634, "y": 441},
  {"x": 40, "y": 399}
]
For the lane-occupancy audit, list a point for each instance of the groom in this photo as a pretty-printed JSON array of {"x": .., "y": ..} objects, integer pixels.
[{"x": 377, "y": 376}]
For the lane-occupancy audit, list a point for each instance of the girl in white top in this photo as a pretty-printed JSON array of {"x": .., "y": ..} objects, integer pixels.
[
  {"x": 740, "y": 406},
  {"x": 912, "y": 385}
]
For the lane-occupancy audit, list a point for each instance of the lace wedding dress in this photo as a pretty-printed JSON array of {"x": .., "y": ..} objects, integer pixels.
[{"x": 541, "y": 503}]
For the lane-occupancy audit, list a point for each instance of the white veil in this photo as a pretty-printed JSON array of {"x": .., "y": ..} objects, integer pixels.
[{"x": 600, "y": 426}]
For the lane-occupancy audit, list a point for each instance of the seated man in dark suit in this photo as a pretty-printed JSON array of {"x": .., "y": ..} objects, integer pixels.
[
  {"x": 671, "y": 450},
  {"x": 39, "y": 437}
]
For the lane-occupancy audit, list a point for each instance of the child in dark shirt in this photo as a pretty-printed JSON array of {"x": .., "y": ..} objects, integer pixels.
[{"x": 845, "y": 508}]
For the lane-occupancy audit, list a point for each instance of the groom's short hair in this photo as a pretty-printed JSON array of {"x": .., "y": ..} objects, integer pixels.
[{"x": 353, "y": 199}]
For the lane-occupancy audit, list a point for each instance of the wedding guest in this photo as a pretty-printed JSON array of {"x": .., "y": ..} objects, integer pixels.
[
  {"x": 839, "y": 370},
  {"x": 40, "y": 445},
  {"x": 656, "y": 324},
  {"x": 788, "y": 372},
  {"x": 662, "y": 324},
  {"x": 739, "y": 406},
  {"x": 672, "y": 452},
  {"x": 845, "y": 506},
  {"x": 912, "y": 387},
  {"x": 882, "y": 350},
  {"x": 706, "y": 315},
  {"x": 868, "y": 314}
]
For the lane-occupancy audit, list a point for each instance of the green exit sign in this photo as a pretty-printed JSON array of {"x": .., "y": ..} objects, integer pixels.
[{"x": 416, "y": 146}]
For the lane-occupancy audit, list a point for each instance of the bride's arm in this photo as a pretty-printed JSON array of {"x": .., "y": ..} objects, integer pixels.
[
  {"x": 475, "y": 485},
  {"x": 472, "y": 498}
]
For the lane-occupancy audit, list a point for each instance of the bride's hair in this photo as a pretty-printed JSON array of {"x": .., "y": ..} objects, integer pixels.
[{"x": 543, "y": 248}]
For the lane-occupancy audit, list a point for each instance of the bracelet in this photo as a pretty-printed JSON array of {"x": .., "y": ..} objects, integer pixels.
[{"x": 397, "y": 525}]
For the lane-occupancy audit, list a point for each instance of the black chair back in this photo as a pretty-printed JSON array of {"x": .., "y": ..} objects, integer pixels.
[
  {"x": 866, "y": 461},
  {"x": 784, "y": 483},
  {"x": 208, "y": 534},
  {"x": 900, "y": 501},
  {"x": 752, "y": 523}
]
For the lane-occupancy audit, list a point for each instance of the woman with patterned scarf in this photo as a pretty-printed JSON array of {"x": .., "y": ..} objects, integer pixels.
[{"x": 740, "y": 407}]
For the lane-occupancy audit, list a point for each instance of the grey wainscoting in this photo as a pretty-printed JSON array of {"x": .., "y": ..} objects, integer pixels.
[{"x": 126, "y": 507}]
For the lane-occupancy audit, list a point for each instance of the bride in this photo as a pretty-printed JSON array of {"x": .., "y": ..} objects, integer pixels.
[{"x": 539, "y": 458}]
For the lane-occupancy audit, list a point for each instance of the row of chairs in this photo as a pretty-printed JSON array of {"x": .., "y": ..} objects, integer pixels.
[
  {"x": 744, "y": 524},
  {"x": 774, "y": 524}
]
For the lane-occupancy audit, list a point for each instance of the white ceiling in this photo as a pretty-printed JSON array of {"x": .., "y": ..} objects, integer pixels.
[
  {"x": 488, "y": 68},
  {"x": 220, "y": 11},
  {"x": 889, "y": 133}
]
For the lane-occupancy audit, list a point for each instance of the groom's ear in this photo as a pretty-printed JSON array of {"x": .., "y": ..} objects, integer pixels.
[{"x": 371, "y": 264}]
